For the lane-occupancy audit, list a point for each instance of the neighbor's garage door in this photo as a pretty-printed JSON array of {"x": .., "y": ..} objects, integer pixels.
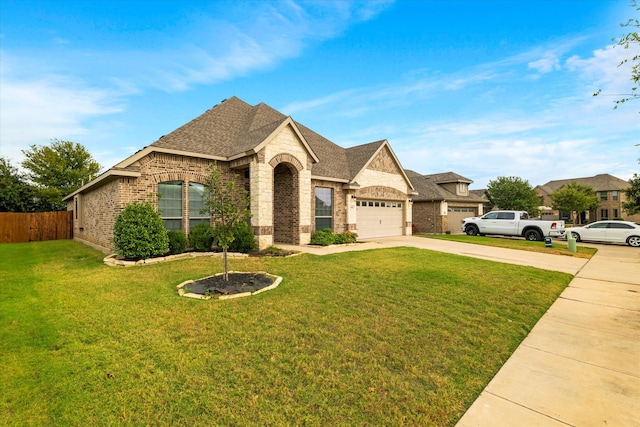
[
  {"x": 455, "y": 217},
  {"x": 377, "y": 218}
]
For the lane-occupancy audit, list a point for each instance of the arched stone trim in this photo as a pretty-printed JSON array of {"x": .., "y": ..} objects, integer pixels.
[
  {"x": 381, "y": 192},
  {"x": 286, "y": 158},
  {"x": 179, "y": 176}
]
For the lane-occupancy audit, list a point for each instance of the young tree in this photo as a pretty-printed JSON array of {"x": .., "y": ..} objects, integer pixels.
[
  {"x": 632, "y": 204},
  {"x": 575, "y": 198},
  {"x": 60, "y": 169},
  {"x": 228, "y": 204},
  {"x": 513, "y": 193},
  {"x": 631, "y": 42}
]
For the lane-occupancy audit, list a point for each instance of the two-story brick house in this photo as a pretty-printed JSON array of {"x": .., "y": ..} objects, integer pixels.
[
  {"x": 608, "y": 189},
  {"x": 298, "y": 181}
]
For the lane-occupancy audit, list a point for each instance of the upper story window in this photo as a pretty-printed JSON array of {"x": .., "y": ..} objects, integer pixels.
[
  {"x": 603, "y": 196},
  {"x": 170, "y": 204},
  {"x": 324, "y": 208},
  {"x": 614, "y": 195}
]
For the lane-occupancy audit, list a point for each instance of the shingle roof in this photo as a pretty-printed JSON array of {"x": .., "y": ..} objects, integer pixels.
[
  {"x": 227, "y": 129},
  {"x": 332, "y": 158},
  {"x": 601, "y": 182},
  {"x": 447, "y": 177},
  {"x": 234, "y": 127},
  {"x": 429, "y": 187},
  {"x": 360, "y": 155}
]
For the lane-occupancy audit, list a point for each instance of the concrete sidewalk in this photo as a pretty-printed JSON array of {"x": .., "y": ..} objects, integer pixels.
[{"x": 580, "y": 364}]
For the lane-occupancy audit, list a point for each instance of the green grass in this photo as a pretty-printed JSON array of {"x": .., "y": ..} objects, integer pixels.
[
  {"x": 559, "y": 248},
  {"x": 384, "y": 337}
]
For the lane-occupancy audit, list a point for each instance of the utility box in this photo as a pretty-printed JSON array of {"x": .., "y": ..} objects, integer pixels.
[{"x": 548, "y": 242}]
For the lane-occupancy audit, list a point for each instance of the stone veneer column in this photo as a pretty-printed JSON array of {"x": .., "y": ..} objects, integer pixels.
[
  {"x": 408, "y": 215},
  {"x": 350, "y": 207},
  {"x": 306, "y": 216},
  {"x": 261, "y": 183}
]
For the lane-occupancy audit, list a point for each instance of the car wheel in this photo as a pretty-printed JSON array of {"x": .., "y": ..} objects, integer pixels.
[
  {"x": 634, "y": 241},
  {"x": 471, "y": 230},
  {"x": 576, "y": 236},
  {"x": 532, "y": 235}
]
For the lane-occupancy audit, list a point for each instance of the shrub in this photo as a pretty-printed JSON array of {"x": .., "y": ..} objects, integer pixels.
[
  {"x": 177, "y": 242},
  {"x": 349, "y": 237},
  {"x": 201, "y": 238},
  {"x": 243, "y": 240},
  {"x": 322, "y": 237},
  {"x": 139, "y": 232}
]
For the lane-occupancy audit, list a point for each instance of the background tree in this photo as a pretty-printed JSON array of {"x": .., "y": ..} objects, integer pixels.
[
  {"x": 632, "y": 204},
  {"x": 59, "y": 169},
  {"x": 575, "y": 198},
  {"x": 630, "y": 41},
  {"x": 513, "y": 193},
  {"x": 16, "y": 195},
  {"x": 228, "y": 204}
]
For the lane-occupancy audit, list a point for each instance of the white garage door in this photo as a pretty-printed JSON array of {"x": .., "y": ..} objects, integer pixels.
[
  {"x": 456, "y": 215},
  {"x": 377, "y": 218}
]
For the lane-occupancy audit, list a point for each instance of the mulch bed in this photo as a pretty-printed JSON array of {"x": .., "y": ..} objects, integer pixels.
[{"x": 237, "y": 283}]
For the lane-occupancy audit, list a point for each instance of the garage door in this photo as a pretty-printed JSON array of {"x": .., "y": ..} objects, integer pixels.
[
  {"x": 376, "y": 218},
  {"x": 456, "y": 215}
]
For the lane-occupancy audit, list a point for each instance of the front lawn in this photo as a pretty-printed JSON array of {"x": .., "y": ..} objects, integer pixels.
[
  {"x": 384, "y": 337},
  {"x": 559, "y": 247}
]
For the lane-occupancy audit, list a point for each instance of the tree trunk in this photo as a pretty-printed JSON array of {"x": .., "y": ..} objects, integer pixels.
[{"x": 226, "y": 267}]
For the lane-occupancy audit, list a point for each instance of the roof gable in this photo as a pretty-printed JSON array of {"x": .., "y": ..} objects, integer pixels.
[
  {"x": 376, "y": 156},
  {"x": 429, "y": 187}
]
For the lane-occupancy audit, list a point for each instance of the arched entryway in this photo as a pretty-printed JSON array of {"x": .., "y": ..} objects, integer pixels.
[{"x": 286, "y": 212}]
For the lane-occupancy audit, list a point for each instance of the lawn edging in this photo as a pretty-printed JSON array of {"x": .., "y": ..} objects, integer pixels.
[
  {"x": 113, "y": 261},
  {"x": 182, "y": 293}
]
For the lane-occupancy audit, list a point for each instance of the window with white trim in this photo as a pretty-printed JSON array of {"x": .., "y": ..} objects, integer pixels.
[
  {"x": 324, "y": 208},
  {"x": 198, "y": 213},
  {"x": 170, "y": 204}
]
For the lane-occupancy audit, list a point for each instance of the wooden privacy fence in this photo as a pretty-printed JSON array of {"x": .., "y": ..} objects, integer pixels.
[{"x": 34, "y": 227}]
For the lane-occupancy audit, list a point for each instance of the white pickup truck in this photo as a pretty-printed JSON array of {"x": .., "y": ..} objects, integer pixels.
[{"x": 512, "y": 223}]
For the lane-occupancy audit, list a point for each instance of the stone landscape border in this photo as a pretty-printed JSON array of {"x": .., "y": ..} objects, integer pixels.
[
  {"x": 112, "y": 260},
  {"x": 182, "y": 293}
]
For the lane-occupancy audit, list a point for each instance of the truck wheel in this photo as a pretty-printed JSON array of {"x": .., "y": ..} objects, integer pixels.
[
  {"x": 471, "y": 230},
  {"x": 533, "y": 235}
]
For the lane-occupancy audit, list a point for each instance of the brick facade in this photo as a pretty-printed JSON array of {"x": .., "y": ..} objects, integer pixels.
[{"x": 276, "y": 172}]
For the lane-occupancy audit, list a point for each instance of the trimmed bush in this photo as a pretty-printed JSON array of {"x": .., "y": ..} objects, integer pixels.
[
  {"x": 243, "y": 240},
  {"x": 177, "y": 242},
  {"x": 139, "y": 233},
  {"x": 322, "y": 237},
  {"x": 326, "y": 237},
  {"x": 346, "y": 237},
  {"x": 201, "y": 238}
]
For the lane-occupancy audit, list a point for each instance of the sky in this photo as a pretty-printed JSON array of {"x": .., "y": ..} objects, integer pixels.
[{"x": 480, "y": 88}]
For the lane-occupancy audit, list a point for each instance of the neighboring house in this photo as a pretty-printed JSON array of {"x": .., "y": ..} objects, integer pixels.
[
  {"x": 609, "y": 191},
  {"x": 442, "y": 202},
  {"x": 298, "y": 181}
]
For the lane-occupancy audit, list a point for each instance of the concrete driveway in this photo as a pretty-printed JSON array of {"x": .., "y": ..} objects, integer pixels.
[{"x": 580, "y": 364}]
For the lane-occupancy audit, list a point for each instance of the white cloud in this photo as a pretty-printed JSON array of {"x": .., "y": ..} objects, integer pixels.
[
  {"x": 33, "y": 111},
  {"x": 549, "y": 63}
]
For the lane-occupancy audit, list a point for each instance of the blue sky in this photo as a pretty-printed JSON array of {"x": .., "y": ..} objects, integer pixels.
[{"x": 480, "y": 88}]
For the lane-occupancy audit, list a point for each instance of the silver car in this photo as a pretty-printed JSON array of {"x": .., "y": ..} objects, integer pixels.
[{"x": 608, "y": 231}]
